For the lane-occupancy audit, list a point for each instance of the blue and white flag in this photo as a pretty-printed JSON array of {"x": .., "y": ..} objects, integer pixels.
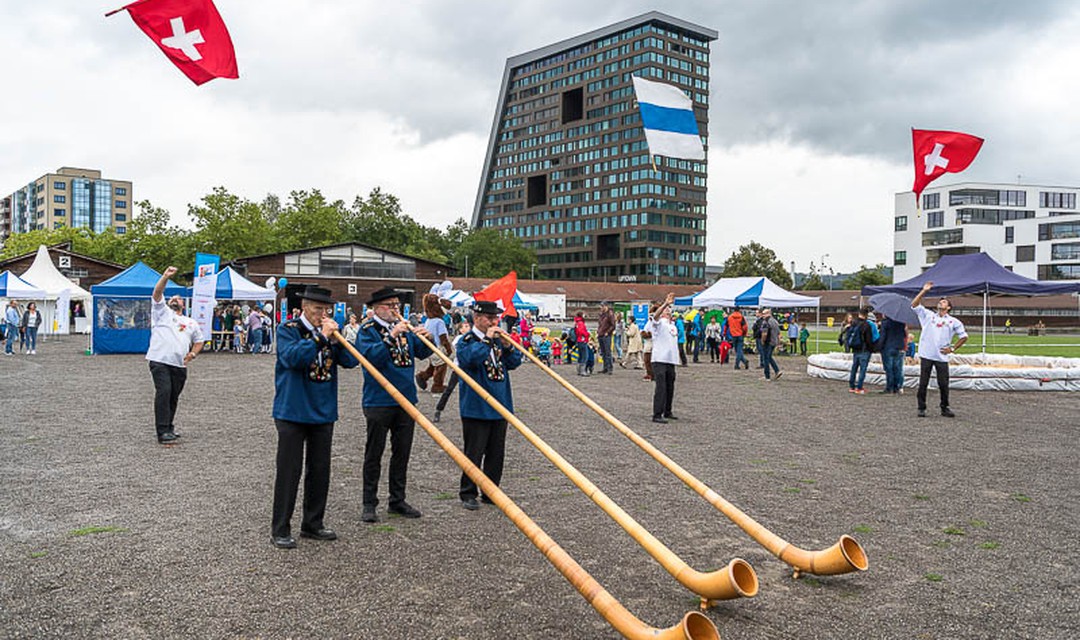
[{"x": 668, "y": 117}]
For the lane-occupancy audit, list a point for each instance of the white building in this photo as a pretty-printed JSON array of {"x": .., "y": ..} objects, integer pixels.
[{"x": 1032, "y": 230}]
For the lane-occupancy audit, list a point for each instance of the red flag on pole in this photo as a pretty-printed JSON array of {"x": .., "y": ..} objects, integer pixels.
[
  {"x": 941, "y": 152},
  {"x": 501, "y": 292},
  {"x": 192, "y": 35}
]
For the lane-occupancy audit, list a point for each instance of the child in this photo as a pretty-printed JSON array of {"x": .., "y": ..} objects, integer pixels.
[
  {"x": 725, "y": 351},
  {"x": 239, "y": 337},
  {"x": 556, "y": 350},
  {"x": 544, "y": 349},
  {"x": 590, "y": 360},
  {"x": 804, "y": 335}
]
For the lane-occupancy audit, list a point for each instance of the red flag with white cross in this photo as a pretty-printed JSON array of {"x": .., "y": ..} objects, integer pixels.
[
  {"x": 941, "y": 152},
  {"x": 501, "y": 292},
  {"x": 192, "y": 35}
]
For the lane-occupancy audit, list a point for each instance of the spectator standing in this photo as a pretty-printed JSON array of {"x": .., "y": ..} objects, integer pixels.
[
  {"x": 712, "y": 339},
  {"x": 842, "y": 339},
  {"x": 604, "y": 333},
  {"x": 860, "y": 341},
  {"x": 254, "y": 325},
  {"x": 352, "y": 328},
  {"x": 792, "y": 335},
  {"x": 620, "y": 333},
  {"x": 770, "y": 339},
  {"x": 736, "y": 326},
  {"x": 634, "y": 346},
  {"x": 804, "y": 336},
  {"x": 646, "y": 351},
  {"x": 936, "y": 346},
  {"x": 680, "y": 328},
  {"x": 175, "y": 340},
  {"x": 665, "y": 337},
  {"x": 759, "y": 321},
  {"x": 31, "y": 322},
  {"x": 581, "y": 338},
  {"x": 893, "y": 334}
]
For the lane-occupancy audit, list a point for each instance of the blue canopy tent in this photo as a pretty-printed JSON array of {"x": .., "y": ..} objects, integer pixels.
[
  {"x": 973, "y": 273},
  {"x": 751, "y": 291},
  {"x": 524, "y": 304},
  {"x": 121, "y": 307},
  {"x": 12, "y": 286}
]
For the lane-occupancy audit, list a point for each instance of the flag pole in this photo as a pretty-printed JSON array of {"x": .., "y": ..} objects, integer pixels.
[{"x": 116, "y": 11}]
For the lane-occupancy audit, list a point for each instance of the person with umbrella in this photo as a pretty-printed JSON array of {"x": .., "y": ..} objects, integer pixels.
[
  {"x": 897, "y": 313},
  {"x": 935, "y": 347}
]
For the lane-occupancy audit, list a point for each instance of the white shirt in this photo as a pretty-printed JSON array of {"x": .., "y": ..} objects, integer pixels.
[
  {"x": 171, "y": 335},
  {"x": 937, "y": 332},
  {"x": 665, "y": 340}
]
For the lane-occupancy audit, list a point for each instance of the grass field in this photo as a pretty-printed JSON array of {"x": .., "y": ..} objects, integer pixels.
[{"x": 1066, "y": 346}]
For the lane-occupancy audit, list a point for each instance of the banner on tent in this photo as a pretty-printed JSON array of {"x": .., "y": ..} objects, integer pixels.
[
  {"x": 62, "y": 319},
  {"x": 641, "y": 315},
  {"x": 202, "y": 304}
]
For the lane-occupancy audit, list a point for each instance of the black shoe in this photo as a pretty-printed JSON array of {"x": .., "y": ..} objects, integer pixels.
[
  {"x": 283, "y": 542},
  {"x": 175, "y": 433},
  {"x": 947, "y": 412},
  {"x": 167, "y": 438},
  {"x": 421, "y": 382},
  {"x": 670, "y": 417},
  {"x": 486, "y": 500},
  {"x": 437, "y": 416},
  {"x": 404, "y": 509},
  {"x": 659, "y": 420},
  {"x": 922, "y": 413},
  {"x": 369, "y": 515},
  {"x": 470, "y": 503},
  {"x": 321, "y": 534}
]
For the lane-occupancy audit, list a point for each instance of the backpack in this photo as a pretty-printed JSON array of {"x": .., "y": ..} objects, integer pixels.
[{"x": 855, "y": 337}]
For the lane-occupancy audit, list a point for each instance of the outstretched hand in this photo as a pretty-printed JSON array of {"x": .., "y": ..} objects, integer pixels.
[{"x": 169, "y": 272}]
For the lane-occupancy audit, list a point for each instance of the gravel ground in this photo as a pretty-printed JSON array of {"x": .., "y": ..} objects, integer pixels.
[{"x": 967, "y": 523}]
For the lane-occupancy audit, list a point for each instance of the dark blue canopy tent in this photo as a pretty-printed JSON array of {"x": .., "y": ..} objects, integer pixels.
[
  {"x": 973, "y": 273},
  {"x": 121, "y": 307}
]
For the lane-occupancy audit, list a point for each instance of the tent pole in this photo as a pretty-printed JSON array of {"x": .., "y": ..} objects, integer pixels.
[
  {"x": 817, "y": 332},
  {"x": 986, "y": 293}
]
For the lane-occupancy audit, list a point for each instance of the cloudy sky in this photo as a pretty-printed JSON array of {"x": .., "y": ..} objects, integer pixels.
[{"x": 811, "y": 108}]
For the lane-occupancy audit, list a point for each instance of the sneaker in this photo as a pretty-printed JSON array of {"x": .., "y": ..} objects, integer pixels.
[
  {"x": 947, "y": 412},
  {"x": 922, "y": 413},
  {"x": 851, "y": 390},
  {"x": 861, "y": 392},
  {"x": 778, "y": 374}
]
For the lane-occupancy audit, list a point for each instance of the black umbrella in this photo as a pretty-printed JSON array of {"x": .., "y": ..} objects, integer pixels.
[{"x": 894, "y": 306}]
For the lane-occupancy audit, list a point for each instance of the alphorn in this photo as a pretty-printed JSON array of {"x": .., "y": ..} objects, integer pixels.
[
  {"x": 843, "y": 557},
  {"x": 736, "y": 580},
  {"x": 693, "y": 626}
]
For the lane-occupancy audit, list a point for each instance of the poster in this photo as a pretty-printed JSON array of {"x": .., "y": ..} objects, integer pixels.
[
  {"x": 641, "y": 315},
  {"x": 203, "y": 291}
]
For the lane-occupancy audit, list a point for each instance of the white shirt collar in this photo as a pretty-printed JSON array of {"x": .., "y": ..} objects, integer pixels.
[
  {"x": 307, "y": 323},
  {"x": 479, "y": 334},
  {"x": 383, "y": 322}
]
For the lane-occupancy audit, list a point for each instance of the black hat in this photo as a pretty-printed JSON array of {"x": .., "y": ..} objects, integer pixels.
[
  {"x": 316, "y": 294},
  {"x": 383, "y": 294},
  {"x": 486, "y": 306}
]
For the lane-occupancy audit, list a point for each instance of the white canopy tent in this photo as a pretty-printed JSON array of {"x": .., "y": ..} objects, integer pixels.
[
  {"x": 14, "y": 287},
  {"x": 44, "y": 275}
]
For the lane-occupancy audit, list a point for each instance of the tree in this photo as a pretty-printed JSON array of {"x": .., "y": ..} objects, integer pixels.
[
  {"x": 230, "y": 226},
  {"x": 756, "y": 260},
  {"x": 307, "y": 221},
  {"x": 379, "y": 221},
  {"x": 868, "y": 276},
  {"x": 813, "y": 283},
  {"x": 492, "y": 254},
  {"x": 151, "y": 238}
]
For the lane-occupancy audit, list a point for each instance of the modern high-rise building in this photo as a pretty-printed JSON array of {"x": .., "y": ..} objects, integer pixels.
[
  {"x": 71, "y": 197},
  {"x": 568, "y": 170},
  {"x": 1031, "y": 230}
]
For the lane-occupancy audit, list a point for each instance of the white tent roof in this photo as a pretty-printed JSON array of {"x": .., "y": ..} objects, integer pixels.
[
  {"x": 44, "y": 275},
  {"x": 756, "y": 291},
  {"x": 233, "y": 286},
  {"x": 11, "y": 286}
]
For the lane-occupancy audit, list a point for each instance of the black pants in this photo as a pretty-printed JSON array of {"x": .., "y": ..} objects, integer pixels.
[
  {"x": 714, "y": 349},
  {"x": 942, "y": 369},
  {"x": 485, "y": 446},
  {"x": 380, "y": 421},
  {"x": 168, "y": 383},
  {"x": 447, "y": 392},
  {"x": 664, "y": 392},
  {"x": 605, "y": 354},
  {"x": 292, "y": 438}
]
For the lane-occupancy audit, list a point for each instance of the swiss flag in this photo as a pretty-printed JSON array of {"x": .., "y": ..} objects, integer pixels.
[
  {"x": 501, "y": 292},
  {"x": 941, "y": 152},
  {"x": 192, "y": 35}
]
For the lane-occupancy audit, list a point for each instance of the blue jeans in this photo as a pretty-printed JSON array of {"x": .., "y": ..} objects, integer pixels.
[
  {"x": 767, "y": 358},
  {"x": 12, "y": 330},
  {"x": 860, "y": 360},
  {"x": 737, "y": 344},
  {"x": 760, "y": 351},
  {"x": 255, "y": 340},
  {"x": 31, "y": 338},
  {"x": 892, "y": 360},
  {"x": 617, "y": 343}
]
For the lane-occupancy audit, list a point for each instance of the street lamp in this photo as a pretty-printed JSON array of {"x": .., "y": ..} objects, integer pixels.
[
  {"x": 823, "y": 267},
  {"x": 532, "y": 272}
]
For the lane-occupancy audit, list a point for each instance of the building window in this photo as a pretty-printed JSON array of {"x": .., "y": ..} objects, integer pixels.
[
  {"x": 1059, "y": 272},
  {"x": 901, "y": 223},
  {"x": 121, "y": 204},
  {"x": 121, "y": 230},
  {"x": 121, "y": 191},
  {"x": 1059, "y": 231},
  {"x": 1065, "y": 251},
  {"x": 899, "y": 258},
  {"x": 1009, "y": 235},
  {"x": 931, "y": 200},
  {"x": 935, "y": 219},
  {"x": 1025, "y": 253},
  {"x": 59, "y": 199},
  {"x": 936, "y": 238},
  {"x": 1055, "y": 200},
  {"x": 121, "y": 217},
  {"x": 60, "y": 185}
]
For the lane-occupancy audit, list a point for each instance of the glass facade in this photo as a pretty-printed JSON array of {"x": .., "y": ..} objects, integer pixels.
[
  {"x": 569, "y": 171},
  {"x": 80, "y": 202},
  {"x": 350, "y": 261}
]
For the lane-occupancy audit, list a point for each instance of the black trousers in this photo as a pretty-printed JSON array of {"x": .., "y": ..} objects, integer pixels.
[
  {"x": 664, "y": 392},
  {"x": 605, "y": 354},
  {"x": 292, "y": 438},
  {"x": 168, "y": 383},
  {"x": 447, "y": 392},
  {"x": 485, "y": 446},
  {"x": 942, "y": 370},
  {"x": 380, "y": 421}
]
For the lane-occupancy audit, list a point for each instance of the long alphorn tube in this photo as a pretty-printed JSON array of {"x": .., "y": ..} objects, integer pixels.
[
  {"x": 843, "y": 557},
  {"x": 735, "y": 580},
  {"x": 693, "y": 626}
]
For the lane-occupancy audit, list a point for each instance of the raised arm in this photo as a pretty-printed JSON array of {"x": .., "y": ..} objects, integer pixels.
[
  {"x": 925, "y": 289},
  {"x": 159, "y": 288},
  {"x": 668, "y": 301}
]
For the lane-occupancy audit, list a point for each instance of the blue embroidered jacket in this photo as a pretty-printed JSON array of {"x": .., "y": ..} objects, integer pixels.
[
  {"x": 305, "y": 376},
  {"x": 395, "y": 359},
  {"x": 488, "y": 362}
]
